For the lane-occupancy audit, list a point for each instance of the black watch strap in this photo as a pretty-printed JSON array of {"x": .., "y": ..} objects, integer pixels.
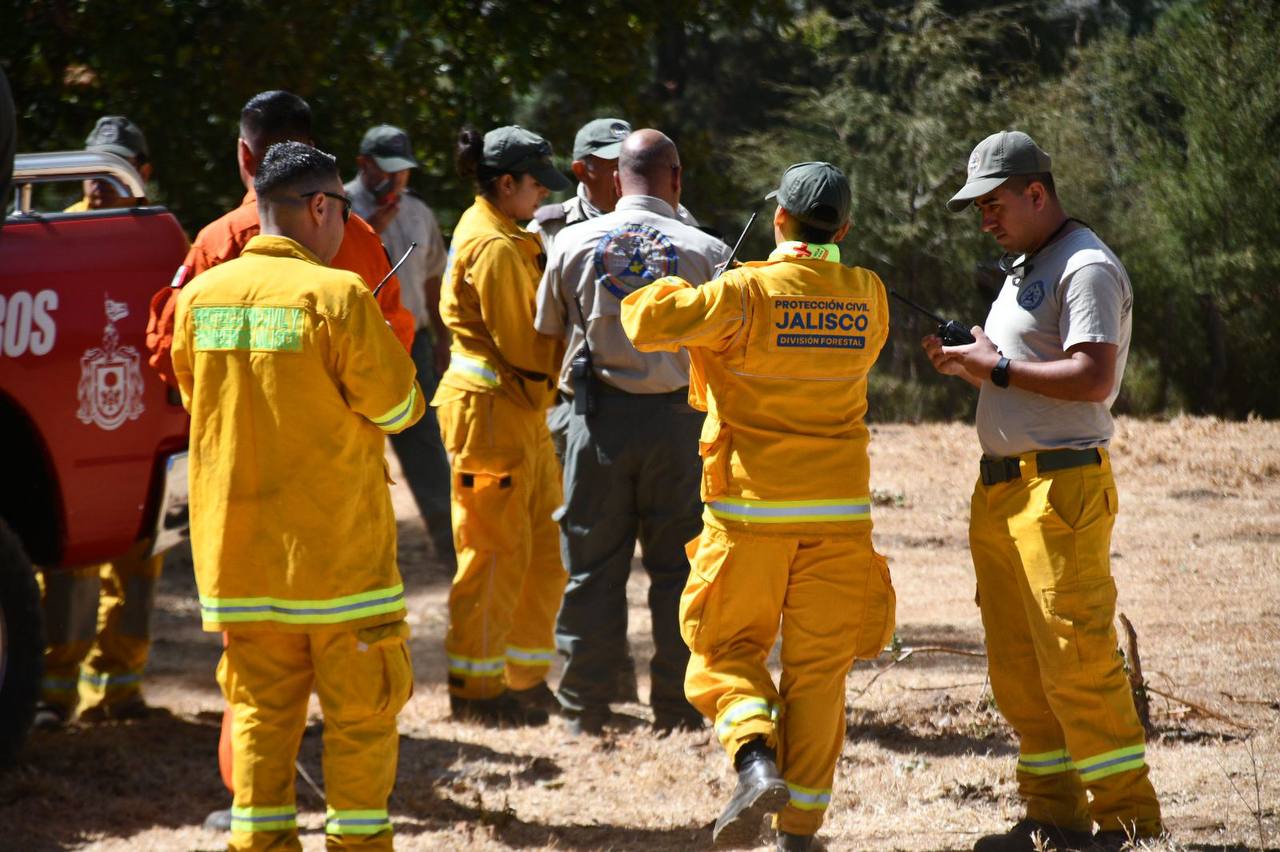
[{"x": 1000, "y": 373}]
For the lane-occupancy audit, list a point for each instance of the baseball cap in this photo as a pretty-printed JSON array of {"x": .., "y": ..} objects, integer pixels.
[
  {"x": 389, "y": 147},
  {"x": 514, "y": 149},
  {"x": 996, "y": 159},
  {"x": 601, "y": 138},
  {"x": 115, "y": 134},
  {"x": 817, "y": 194}
]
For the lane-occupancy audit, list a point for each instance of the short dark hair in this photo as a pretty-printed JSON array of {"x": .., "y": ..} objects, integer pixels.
[
  {"x": 1019, "y": 183},
  {"x": 293, "y": 165},
  {"x": 275, "y": 116},
  {"x": 813, "y": 234}
]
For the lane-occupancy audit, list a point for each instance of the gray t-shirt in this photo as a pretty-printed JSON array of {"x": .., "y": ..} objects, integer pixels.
[
  {"x": 598, "y": 262},
  {"x": 414, "y": 222},
  {"x": 1074, "y": 291}
]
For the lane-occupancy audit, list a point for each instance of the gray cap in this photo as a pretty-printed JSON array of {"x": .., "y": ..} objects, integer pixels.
[
  {"x": 817, "y": 194},
  {"x": 601, "y": 138},
  {"x": 389, "y": 147},
  {"x": 115, "y": 134},
  {"x": 514, "y": 149},
  {"x": 997, "y": 158}
]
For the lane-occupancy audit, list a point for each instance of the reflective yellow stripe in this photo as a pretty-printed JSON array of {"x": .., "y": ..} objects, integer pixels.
[
  {"x": 356, "y": 822},
  {"x": 349, "y": 608},
  {"x": 809, "y": 798},
  {"x": 477, "y": 666},
  {"x": 739, "y": 712},
  {"x": 477, "y": 368},
  {"x": 1111, "y": 762},
  {"x": 791, "y": 511},
  {"x": 264, "y": 819},
  {"x": 531, "y": 656},
  {"x": 1045, "y": 763},
  {"x": 391, "y": 421}
]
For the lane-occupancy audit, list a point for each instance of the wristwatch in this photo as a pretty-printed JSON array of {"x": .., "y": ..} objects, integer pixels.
[{"x": 1000, "y": 373}]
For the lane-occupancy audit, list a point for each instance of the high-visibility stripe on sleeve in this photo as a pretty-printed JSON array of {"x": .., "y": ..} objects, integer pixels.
[
  {"x": 1111, "y": 762},
  {"x": 1045, "y": 762},
  {"x": 739, "y": 712},
  {"x": 356, "y": 822},
  {"x": 531, "y": 656},
  {"x": 791, "y": 511},
  {"x": 58, "y": 684},
  {"x": 391, "y": 421},
  {"x": 477, "y": 666},
  {"x": 809, "y": 798},
  {"x": 280, "y": 818},
  {"x": 111, "y": 681},
  {"x": 331, "y": 611},
  {"x": 476, "y": 368}
]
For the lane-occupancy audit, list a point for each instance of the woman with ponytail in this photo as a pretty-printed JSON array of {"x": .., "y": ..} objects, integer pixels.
[{"x": 491, "y": 405}]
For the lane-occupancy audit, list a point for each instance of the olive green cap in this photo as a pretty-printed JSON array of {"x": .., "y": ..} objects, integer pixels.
[
  {"x": 817, "y": 194},
  {"x": 115, "y": 134},
  {"x": 601, "y": 138},
  {"x": 997, "y": 158},
  {"x": 389, "y": 147},
  {"x": 514, "y": 149}
]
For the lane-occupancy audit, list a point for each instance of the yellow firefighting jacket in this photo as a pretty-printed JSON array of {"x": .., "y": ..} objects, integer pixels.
[
  {"x": 488, "y": 304},
  {"x": 779, "y": 351},
  {"x": 293, "y": 379}
]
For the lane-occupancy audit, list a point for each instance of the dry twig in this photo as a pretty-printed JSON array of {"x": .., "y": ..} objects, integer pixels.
[
  {"x": 1137, "y": 683},
  {"x": 906, "y": 654}
]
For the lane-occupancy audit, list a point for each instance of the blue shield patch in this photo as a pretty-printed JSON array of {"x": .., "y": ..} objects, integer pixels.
[
  {"x": 1030, "y": 297},
  {"x": 629, "y": 257}
]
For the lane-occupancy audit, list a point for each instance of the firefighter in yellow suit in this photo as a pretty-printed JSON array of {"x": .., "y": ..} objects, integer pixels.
[
  {"x": 492, "y": 405},
  {"x": 780, "y": 352},
  {"x": 293, "y": 380}
]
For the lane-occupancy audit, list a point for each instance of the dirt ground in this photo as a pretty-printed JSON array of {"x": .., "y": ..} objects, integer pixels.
[{"x": 928, "y": 763}]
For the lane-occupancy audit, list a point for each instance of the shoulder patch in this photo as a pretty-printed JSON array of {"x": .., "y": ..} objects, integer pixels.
[{"x": 550, "y": 213}]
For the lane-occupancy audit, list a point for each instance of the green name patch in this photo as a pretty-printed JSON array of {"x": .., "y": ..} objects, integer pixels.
[{"x": 252, "y": 329}]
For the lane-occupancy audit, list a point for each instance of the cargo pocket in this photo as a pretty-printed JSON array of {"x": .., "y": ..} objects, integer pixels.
[
  {"x": 879, "y": 611},
  {"x": 1080, "y": 618},
  {"x": 374, "y": 670},
  {"x": 713, "y": 446},
  {"x": 707, "y": 555},
  {"x": 487, "y": 512}
]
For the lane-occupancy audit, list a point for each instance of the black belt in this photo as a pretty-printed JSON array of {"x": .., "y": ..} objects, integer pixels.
[
  {"x": 606, "y": 389},
  {"x": 997, "y": 470}
]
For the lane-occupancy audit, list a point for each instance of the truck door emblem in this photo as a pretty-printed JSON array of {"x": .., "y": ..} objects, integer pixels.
[{"x": 110, "y": 387}]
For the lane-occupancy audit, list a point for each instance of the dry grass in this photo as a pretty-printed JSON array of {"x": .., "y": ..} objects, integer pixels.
[{"x": 928, "y": 763}]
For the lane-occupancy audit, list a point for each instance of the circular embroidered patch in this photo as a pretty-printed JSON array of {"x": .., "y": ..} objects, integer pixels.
[
  {"x": 1031, "y": 296},
  {"x": 631, "y": 256}
]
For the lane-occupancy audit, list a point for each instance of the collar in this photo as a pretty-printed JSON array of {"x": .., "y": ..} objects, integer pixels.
[
  {"x": 647, "y": 203},
  {"x": 274, "y": 245},
  {"x": 811, "y": 251},
  {"x": 501, "y": 221},
  {"x": 589, "y": 210}
]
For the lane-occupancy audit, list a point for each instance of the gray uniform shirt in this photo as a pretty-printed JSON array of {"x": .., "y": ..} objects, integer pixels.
[
  {"x": 549, "y": 222},
  {"x": 414, "y": 222},
  {"x": 599, "y": 262},
  {"x": 1074, "y": 291}
]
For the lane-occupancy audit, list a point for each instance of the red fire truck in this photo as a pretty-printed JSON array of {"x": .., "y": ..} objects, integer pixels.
[{"x": 92, "y": 442}]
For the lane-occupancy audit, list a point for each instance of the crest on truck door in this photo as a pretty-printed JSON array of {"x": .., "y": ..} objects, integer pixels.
[{"x": 110, "y": 387}]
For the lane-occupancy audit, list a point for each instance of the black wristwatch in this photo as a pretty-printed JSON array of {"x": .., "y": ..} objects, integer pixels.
[{"x": 1000, "y": 373}]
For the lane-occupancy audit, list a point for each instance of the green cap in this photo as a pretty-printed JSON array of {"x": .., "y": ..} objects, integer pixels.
[
  {"x": 997, "y": 158},
  {"x": 389, "y": 147},
  {"x": 115, "y": 134},
  {"x": 514, "y": 149},
  {"x": 817, "y": 194},
  {"x": 601, "y": 138}
]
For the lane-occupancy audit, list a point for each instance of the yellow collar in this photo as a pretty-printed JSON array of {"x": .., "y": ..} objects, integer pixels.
[
  {"x": 273, "y": 245},
  {"x": 812, "y": 251}
]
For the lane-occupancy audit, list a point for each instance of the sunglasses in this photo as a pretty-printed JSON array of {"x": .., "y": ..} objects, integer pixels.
[{"x": 346, "y": 202}]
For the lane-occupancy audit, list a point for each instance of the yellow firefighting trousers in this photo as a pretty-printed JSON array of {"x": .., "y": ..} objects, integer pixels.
[
  {"x": 507, "y": 589},
  {"x": 1041, "y": 551},
  {"x": 363, "y": 678},
  {"x": 91, "y": 664},
  {"x": 834, "y": 598}
]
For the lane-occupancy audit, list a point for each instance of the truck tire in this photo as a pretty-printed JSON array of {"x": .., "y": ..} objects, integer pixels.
[{"x": 21, "y": 645}]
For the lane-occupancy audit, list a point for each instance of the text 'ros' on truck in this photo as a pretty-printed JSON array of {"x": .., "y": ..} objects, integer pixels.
[{"x": 93, "y": 458}]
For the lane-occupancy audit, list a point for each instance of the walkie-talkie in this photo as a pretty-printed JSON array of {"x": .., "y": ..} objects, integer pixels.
[
  {"x": 582, "y": 377},
  {"x": 951, "y": 332}
]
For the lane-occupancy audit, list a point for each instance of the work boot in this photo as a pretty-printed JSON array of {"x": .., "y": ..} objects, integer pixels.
[
  {"x": 539, "y": 696},
  {"x": 499, "y": 711},
  {"x": 50, "y": 717},
  {"x": 760, "y": 792},
  {"x": 132, "y": 707},
  {"x": 1021, "y": 838},
  {"x": 1116, "y": 840},
  {"x": 588, "y": 722},
  {"x": 788, "y": 842},
  {"x": 218, "y": 820}
]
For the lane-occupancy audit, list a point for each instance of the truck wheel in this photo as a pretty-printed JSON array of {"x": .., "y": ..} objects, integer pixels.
[{"x": 21, "y": 644}]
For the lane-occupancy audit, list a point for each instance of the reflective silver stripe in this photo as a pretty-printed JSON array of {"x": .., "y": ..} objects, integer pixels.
[
  {"x": 475, "y": 367},
  {"x": 469, "y": 666},
  {"x": 809, "y": 798},
  {"x": 740, "y": 711},
  {"x": 531, "y": 656},
  {"x": 791, "y": 511}
]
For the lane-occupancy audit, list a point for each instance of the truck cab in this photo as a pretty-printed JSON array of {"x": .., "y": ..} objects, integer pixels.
[{"x": 93, "y": 441}]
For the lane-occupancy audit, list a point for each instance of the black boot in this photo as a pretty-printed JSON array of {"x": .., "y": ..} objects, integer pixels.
[
  {"x": 1021, "y": 838},
  {"x": 760, "y": 791},
  {"x": 788, "y": 842},
  {"x": 499, "y": 711}
]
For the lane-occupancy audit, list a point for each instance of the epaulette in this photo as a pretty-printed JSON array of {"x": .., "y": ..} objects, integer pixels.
[{"x": 550, "y": 213}]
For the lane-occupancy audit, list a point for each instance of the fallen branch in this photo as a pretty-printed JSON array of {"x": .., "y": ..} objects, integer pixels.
[
  {"x": 1200, "y": 708},
  {"x": 1137, "y": 683}
]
